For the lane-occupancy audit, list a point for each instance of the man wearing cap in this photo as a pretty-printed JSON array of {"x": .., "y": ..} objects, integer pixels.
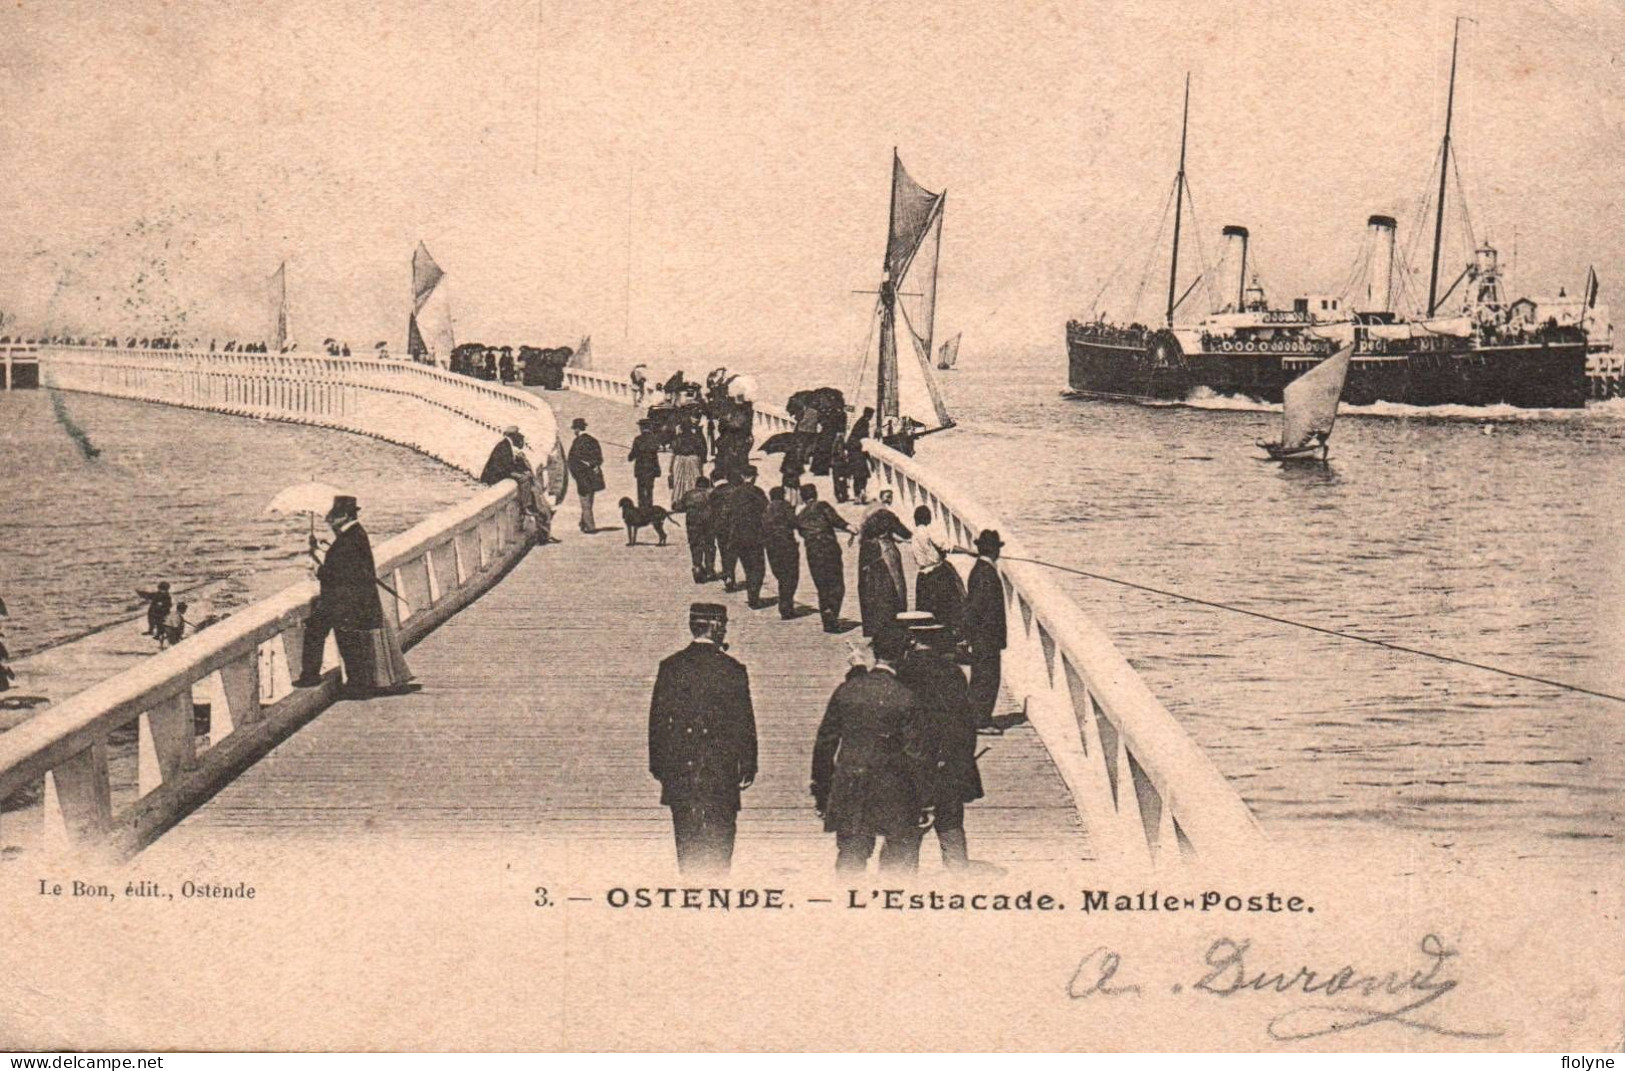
[
  {"x": 702, "y": 742},
  {"x": 349, "y": 607},
  {"x": 747, "y": 512},
  {"x": 818, "y": 522},
  {"x": 645, "y": 458},
  {"x": 930, "y": 673},
  {"x": 722, "y": 497},
  {"x": 982, "y": 626},
  {"x": 586, "y": 464},
  {"x": 871, "y": 770}
]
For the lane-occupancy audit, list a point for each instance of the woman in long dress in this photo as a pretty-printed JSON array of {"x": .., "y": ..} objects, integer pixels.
[
  {"x": 938, "y": 589},
  {"x": 688, "y": 459},
  {"x": 882, "y": 590}
]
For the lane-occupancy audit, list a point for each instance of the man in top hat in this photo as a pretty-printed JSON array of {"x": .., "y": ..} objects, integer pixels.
[
  {"x": 982, "y": 627},
  {"x": 747, "y": 516},
  {"x": 350, "y": 608},
  {"x": 586, "y": 464},
  {"x": 930, "y": 672},
  {"x": 872, "y": 774},
  {"x": 645, "y": 458},
  {"x": 702, "y": 742}
]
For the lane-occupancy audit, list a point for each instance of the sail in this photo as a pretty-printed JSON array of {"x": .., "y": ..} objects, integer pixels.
[
  {"x": 948, "y": 356},
  {"x": 582, "y": 357},
  {"x": 1310, "y": 401},
  {"x": 280, "y": 334},
  {"x": 429, "y": 334},
  {"x": 906, "y": 388}
]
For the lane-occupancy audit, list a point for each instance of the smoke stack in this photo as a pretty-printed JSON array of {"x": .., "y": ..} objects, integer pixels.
[
  {"x": 1380, "y": 279},
  {"x": 1235, "y": 252}
]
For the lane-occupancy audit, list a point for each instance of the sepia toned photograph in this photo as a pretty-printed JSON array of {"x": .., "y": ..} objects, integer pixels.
[{"x": 740, "y": 527}]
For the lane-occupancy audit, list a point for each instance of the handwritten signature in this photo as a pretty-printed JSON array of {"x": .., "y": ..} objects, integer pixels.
[{"x": 1368, "y": 997}]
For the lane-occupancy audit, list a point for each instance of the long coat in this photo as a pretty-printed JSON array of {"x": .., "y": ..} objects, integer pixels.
[
  {"x": 872, "y": 769},
  {"x": 349, "y": 580},
  {"x": 982, "y": 620},
  {"x": 950, "y": 725},
  {"x": 586, "y": 462},
  {"x": 645, "y": 454},
  {"x": 500, "y": 465},
  {"x": 882, "y": 591},
  {"x": 747, "y": 509},
  {"x": 702, "y": 728}
]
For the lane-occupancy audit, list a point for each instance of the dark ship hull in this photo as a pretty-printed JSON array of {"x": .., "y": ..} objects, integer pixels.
[{"x": 1549, "y": 373}]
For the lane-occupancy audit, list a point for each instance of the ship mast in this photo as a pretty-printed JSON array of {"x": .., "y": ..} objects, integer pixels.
[
  {"x": 1444, "y": 170},
  {"x": 1179, "y": 200},
  {"x": 886, "y": 407}
]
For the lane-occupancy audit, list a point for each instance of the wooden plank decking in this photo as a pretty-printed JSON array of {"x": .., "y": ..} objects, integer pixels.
[{"x": 533, "y": 717}]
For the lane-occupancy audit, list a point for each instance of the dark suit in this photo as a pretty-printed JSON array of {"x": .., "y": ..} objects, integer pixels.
[
  {"x": 586, "y": 464},
  {"x": 982, "y": 627},
  {"x": 722, "y": 498},
  {"x": 747, "y": 515},
  {"x": 702, "y": 747},
  {"x": 871, "y": 771},
  {"x": 950, "y": 738},
  {"x": 783, "y": 553},
  {"x": 645, "y": 458},
  {"x": 500, "y": 465},
  {"x": 348, "y": 606}
]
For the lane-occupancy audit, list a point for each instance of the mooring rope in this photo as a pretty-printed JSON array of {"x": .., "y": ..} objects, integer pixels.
[{"x": 1401, "y": 648}]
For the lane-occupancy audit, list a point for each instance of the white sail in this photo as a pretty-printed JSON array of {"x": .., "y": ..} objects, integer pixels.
[
  {"x": 907, "y": 389},
  {"x": 429, "y": 334},
  {"x": 280, "y": 332},
  {"x": 582, "y": 357},
  {"x": 1310, "y": 401},
  {"x": 948, "y": 356}
]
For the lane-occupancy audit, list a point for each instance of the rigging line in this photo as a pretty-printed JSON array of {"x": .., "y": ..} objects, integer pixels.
[
  {"x": 1208, "y": 275},
  {"x": 536, "y": 93},
  {"x": 1401, "y": 648},
  {"x": 1151, "y": 253},
  {"x": 1128, "y": 251},
  {"x": 1461, "y": 205}
]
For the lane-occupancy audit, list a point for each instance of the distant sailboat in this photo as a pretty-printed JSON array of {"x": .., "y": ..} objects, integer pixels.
[
  {"x": 907, "y": 401},
  {"x": 1309, "y": 409},
  {"x": 948, "y": 356},
  {"x": 429, "y": 338},
  {"x": 280, "y": 333},
  {"x": 582, "y": 357}
]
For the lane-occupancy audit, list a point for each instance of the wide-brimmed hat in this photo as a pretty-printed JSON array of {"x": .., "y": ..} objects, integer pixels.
[
  {"x": 988, "y": 538},
  {"x": 578, "y": 424},
  {"x": 707, "y": 613},
  {"x": 915, "y": 620},
  {"x": 344, "y": 506}
]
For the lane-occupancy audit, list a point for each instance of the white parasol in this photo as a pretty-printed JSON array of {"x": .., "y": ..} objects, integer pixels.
[
  {"x": 743, "y": 388},
  {"x": 309, "y": 498}
]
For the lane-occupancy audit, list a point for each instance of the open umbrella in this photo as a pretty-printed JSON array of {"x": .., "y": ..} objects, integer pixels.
[
  {"x": 311, "y": 498},
  {"x": 742, "y": 388},
  {"x": 782, "y": 443}
]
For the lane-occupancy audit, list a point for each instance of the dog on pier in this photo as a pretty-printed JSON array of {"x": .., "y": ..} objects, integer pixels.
[{"x": 637, "y": 517}]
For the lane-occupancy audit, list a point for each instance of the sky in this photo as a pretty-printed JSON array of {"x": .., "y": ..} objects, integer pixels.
[{"x": 699, "y": 180}]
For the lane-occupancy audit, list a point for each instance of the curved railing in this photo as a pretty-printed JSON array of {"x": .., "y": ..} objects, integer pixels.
[
  {"x": 452, "y": 418},
  {"x": 1145, "y": 791},
  {"x": 243, "y": 666}
]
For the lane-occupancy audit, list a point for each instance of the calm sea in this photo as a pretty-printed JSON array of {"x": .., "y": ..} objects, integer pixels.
[{"x": 176, "y": 495}]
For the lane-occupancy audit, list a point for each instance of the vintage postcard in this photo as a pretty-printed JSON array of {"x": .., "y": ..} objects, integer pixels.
[{"x": 743, "y": 526}]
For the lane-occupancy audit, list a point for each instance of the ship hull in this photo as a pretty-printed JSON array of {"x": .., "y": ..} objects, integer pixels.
[{"x": 1545, "y": 375}]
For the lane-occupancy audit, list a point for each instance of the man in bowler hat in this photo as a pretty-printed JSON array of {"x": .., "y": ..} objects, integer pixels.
[
  {"x": 702, "y": 742},
  {"x": 645, "y": 458},
  {"x": 982, "y": 627},
  {"x": 586, "y": 465},
  {"x": 930, "y": 672}
]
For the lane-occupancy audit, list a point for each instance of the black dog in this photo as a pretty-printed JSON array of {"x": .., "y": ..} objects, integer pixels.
[{"x": 637, "y": 517}]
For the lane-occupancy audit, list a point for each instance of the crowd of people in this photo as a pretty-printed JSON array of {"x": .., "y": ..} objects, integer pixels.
[{"x": 895, "y": 753}]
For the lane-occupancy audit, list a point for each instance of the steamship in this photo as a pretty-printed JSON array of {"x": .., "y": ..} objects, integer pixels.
[{"x": 1484, "y": 350}]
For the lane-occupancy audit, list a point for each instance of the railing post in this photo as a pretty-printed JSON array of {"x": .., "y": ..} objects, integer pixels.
[
  {"x": 78, "y": 803},
  {"x": 166, "y": 742}
]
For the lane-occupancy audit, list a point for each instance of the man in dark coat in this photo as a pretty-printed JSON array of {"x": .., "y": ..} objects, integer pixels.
[
  {"x": 930, "y": 673},
  {"x": 982, "y": 627},
  {"x": 695, "y": 505},
  {"x": 722, "y": 495},
  {"x": 871, "y": 772},
  {"x": 348, "y": 606},
  {"x": 854, "y": 462},
  {"x": 747, "y": 509},
  {"x": 586, "y": 464},
  {"x": 702, "y": 742},
  {"x": 645, "y": 458},
  {"x": 500, "y": 465},
  {"x": 783, "y": 553},
  {"x": 818, "y": 522}
]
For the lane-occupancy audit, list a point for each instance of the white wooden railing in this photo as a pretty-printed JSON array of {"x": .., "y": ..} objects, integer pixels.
[
  {"x": 452, "y": 418},
  {"x": 1146, "y": 793},
  {"x": 243, "y": 666}
]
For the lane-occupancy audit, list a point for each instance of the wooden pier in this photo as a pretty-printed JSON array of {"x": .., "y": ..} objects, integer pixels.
[{"x": 533, "y": 717}]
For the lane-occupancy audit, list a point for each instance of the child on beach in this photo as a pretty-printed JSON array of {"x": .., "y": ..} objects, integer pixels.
[
  {"x": 174, "y": 627},
  {"x": 158, "y": 604}
]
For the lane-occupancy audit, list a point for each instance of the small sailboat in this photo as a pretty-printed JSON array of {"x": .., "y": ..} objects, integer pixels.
[
  {"x": 1309, "y": 409},
  {"x": 948, "y": 356},
  {"x": 908, "y": 403},
  {"x": 280, "y": 332}
]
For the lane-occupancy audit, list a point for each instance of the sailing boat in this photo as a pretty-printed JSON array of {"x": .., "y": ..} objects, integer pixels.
[
  {"x": 280, "y": 333},
  {"x": 429, "y": 338},
  {"x": 948, "y": 356},
  {"x": 907, "y": 401},
  {"x": 1309, "y": 409}
]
